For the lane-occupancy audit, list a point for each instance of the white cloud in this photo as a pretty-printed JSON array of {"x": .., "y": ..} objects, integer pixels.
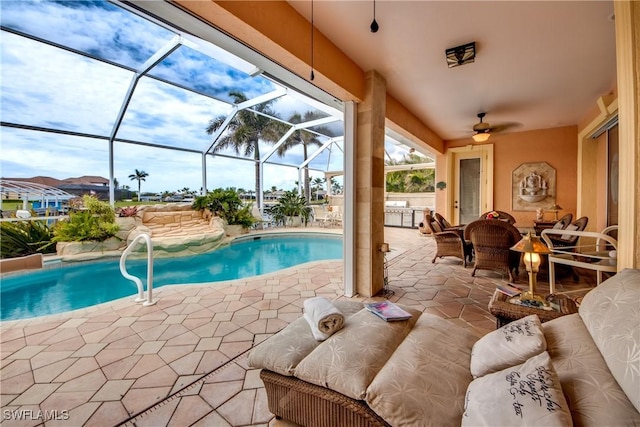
[{"x": 49, "y": 87}]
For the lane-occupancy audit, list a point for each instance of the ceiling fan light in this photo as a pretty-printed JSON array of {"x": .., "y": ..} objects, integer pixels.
[{"x": 481, "y": 137}]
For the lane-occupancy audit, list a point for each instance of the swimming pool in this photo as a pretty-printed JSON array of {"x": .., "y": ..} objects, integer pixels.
[{"x": 69, "y": 287}]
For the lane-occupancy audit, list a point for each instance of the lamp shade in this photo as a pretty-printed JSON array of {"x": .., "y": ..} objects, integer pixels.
[
  {"x": 555, "y": 207},
  {"x": 531, "y": 244},
  {"x": 481, "y": 137}
]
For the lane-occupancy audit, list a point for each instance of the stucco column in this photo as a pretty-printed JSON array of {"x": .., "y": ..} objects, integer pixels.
[
  {"x": 628, "y": 60},
  {"x": 369, "y": 186}
]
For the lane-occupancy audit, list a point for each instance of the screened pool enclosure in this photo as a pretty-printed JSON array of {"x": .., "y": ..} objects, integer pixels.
[{"x": 100, "y": 88}]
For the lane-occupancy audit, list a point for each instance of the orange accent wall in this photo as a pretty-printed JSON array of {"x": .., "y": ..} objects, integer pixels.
[{"x": 557, "y": 146}]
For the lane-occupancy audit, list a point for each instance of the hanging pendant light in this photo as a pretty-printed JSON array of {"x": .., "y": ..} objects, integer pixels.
[
  {"x": 312, "y": 76},
  {"x": 374, "y": 24}
]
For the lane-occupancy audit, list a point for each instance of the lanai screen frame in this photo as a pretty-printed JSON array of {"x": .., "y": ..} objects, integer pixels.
[
  {"x": 334, "y": 111},
  {"x": 325, "y": 103}
]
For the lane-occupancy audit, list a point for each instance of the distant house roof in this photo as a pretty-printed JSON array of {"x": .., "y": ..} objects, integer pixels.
[
  {"x": 42, "y": 180},
  {"x": 87, "y": 180},
  {"x": 53, "y": 182}
]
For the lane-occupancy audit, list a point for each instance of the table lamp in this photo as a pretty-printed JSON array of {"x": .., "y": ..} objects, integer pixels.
[
  {"x": 532, "y": 247},
  {"x": 555, "y": 208}
]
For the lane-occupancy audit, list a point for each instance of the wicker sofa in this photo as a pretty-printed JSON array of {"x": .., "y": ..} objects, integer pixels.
[{"x": 426, "y": 371}]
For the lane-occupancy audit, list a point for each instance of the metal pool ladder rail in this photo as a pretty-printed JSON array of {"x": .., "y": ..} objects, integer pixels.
[{"x": 138, "y": 282}]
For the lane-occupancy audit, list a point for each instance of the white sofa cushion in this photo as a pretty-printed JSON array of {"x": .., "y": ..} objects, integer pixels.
[
  {"x": 282, "y": 352},
  {"x": 611, "y": 313},
  {"x": 510, "y": 345},
  {"x": 348, "y": 360},
  {"x": 594, "y": 396},
  {"x": 424, "y": 381},
  {"x": 524, "y": 395}
]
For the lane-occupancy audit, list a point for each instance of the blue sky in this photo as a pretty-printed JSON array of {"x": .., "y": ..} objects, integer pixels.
[{"x": 49, "y": 87}]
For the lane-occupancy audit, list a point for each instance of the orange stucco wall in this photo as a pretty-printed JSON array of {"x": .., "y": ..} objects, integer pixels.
[{"x": 556, "y": 146}]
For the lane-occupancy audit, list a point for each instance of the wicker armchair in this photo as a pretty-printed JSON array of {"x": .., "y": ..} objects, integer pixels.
[
  {"x": 570, "y": 242},
  {"x": 443, "y": 222},
  {"x": 504, "y": 216},
  {"x": 492, "y": 241},
  {"x": 565, "y": 221},
  {"x": 448, "y": 242}
]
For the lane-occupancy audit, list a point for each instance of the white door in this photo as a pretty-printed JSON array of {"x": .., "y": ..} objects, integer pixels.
[
  {"x": 472, "y": 189},
  {"x": 467, "y": 198}
]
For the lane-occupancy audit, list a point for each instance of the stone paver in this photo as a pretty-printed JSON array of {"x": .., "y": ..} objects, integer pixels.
[{"x": 183, "y": 361}]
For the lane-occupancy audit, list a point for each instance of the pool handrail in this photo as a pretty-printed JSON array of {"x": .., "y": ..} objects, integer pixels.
[{"x": 136, "y": 280}]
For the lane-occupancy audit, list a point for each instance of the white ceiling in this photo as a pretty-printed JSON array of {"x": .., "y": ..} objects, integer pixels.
[{"x": 540, "y": 64}]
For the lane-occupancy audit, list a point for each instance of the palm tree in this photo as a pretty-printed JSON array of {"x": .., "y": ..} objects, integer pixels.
[
  {"x": 318, "y": 183},
  {"x": 245, "y": 131},
  {"x": 336, "y": 187},
  {"x": 409, "y": 181},
  {"x": 304, "y": 138},
  {"x": 138, "y": 176}
]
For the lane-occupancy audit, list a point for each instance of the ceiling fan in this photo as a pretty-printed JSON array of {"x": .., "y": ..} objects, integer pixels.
[{"x": 483, "y": 129}]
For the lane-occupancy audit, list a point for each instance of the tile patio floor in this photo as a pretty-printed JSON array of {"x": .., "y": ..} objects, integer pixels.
[{"x": 182, "y": 362}]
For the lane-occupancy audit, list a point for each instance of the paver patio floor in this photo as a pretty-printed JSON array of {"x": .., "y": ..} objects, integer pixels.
[{"x": 183, "y": 361}]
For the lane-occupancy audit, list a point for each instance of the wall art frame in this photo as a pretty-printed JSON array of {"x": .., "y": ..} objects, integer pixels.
[{"x": 533, "y": 186}]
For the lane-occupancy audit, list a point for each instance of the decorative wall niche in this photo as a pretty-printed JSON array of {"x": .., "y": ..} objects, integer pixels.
[{"x": 533, "y": 186}]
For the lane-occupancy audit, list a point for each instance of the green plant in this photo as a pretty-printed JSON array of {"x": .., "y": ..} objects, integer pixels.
[
  {"x": 25, "y": 238},
  {"x": 200, "y": 203},
  {"x": 95, "y": 222},
  {"x": 441, "y": 185},
  {"x": 289, "y": 205},
  {"x": 226, "y": 204}
]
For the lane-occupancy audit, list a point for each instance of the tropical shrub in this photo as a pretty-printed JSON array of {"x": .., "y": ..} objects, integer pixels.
[
  {"x": 128, "y": 211},
  {"x": 96, "y": 222},
  {"x": 25, "y": 238},
  {"x": 291, "y": 204},
  {"x": 226, "y": 204}
]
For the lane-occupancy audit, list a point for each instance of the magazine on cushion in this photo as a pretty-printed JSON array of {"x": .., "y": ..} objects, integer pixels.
[{"x": 387, "y": 311}]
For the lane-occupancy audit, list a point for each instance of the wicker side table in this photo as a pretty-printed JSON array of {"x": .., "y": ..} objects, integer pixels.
[{"x": 506, "y": 312}]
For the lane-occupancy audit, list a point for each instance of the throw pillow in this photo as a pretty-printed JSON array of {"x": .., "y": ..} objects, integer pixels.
[
  {"x": 558, "y": 226},
  {"x": 507, "y": 346},
  {"x": 525, "y": 395},
  {"x": 570, "y": 227}
]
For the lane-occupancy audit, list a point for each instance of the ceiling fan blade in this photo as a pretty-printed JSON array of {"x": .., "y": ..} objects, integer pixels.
[{"x": 505, "y": 126}]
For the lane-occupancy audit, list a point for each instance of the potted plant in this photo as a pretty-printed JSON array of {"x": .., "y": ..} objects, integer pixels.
[{"x": 290, "y": 210}]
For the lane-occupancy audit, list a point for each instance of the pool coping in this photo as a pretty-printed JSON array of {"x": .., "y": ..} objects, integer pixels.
[{"x": 157, "y": 293}]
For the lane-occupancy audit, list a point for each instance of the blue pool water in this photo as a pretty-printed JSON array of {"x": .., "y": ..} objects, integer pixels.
[{"x": 56, "y": 290}]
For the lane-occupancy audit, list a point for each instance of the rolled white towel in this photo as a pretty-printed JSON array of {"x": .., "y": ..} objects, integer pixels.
[{"x": 323, "y": 317}]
